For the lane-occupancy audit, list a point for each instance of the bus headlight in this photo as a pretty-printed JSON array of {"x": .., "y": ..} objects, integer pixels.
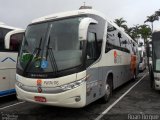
[
  {"x": 72, "y": 85},
  {"x": 19, "y": 84}
]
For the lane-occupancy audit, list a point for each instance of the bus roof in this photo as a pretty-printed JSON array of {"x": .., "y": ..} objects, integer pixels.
[
  {"x": 7, "y": 37},
  {"x": 69, "y": 13},
  {"x": 78, "y": 12}
]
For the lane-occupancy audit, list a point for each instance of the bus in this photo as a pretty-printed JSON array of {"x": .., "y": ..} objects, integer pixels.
[
  {"x": 143, "y": 59},
  {"x": 8, "y": 58},
  {"x": 153, "y": 55},
  {"x": 73, "y": 58},
  {"x": 150, "y": 53}
]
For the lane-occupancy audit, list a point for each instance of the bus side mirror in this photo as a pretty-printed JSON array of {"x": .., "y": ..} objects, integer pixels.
[
  {"x": 13, "y": 37},
  {"x": 83, "y": 27}
]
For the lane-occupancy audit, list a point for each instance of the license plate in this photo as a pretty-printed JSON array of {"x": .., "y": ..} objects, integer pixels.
[{"x": 40, "y": 99}]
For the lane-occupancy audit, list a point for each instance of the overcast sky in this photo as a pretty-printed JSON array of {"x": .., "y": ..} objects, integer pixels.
[{"x": 19, "y": 13}]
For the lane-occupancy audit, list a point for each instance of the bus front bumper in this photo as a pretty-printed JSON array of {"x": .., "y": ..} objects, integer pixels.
[{"x": 74, "y": 98}]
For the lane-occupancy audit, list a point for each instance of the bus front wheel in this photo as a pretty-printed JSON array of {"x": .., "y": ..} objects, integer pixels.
[{"x": 108, "y": 90}]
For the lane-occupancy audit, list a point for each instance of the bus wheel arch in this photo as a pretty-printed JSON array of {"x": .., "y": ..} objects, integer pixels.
[{"x": 108, "y": 88}]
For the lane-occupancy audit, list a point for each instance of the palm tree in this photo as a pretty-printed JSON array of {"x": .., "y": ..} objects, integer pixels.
[
  {"x": 121, "y": 23},
  {"x": 145, "y": 32},
  {"x": 151, "y": 19},
  {"x": 135, "y": 32}
]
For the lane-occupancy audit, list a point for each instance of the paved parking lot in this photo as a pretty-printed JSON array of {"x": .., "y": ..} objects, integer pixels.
[{"x": 139, "y": 103}]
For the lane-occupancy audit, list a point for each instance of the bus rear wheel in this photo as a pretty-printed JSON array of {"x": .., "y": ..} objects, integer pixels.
[
  {"x": 108, "y": 90},
  {"x": 152, "y": 82},
  {"x": 134, "y": 75}
]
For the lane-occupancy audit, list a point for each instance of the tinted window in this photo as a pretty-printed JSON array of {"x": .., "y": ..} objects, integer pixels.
[
  {"x": 99, "y": 29},
  {"x": 156, "y": 54},
  {"x": 57, "y": 43},
  {"x": 3, "y": 32},
  {"x": 113, "y": 35},
  {"x": 15, "y": 41},
  {"x": 124, "y": 41},
  {"x": 129, "y": 45},
  {"x": 116, "y": 39},
  {"x": 91, "y": 46}
]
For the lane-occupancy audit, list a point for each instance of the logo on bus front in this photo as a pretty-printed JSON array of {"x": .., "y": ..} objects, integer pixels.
[{"x": 39, "y": 84}]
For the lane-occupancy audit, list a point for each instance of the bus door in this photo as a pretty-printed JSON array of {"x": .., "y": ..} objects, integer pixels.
[
  {"x": 92, "y": 55},
  {"x": 88, "y": 32}
]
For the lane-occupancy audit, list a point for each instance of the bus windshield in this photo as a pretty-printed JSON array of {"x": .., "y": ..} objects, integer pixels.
[
  {"x": 51, "y": 46},
  {"x": 156, "y": 54}
]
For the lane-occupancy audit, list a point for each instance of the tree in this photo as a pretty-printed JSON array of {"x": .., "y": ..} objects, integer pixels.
[
  {"x": 121, "y": 23},
  {"x": 151, "y": 19},
  {"x": 145, "y": 32},
  {"x": 135, "y": 32}
]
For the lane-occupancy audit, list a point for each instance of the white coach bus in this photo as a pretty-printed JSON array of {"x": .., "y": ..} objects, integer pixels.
[
  {"x": 8, "y": 57},
  {"x": 73, "y": 58},
  {"x": 153, "y": 54}
]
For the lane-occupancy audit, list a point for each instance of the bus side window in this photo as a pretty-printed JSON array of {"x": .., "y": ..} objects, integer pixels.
[
  {"x": 108, "y": 47},
  {"x": 133, "y": 49},
  {"x": 128, "y": 45},
  {"x": 91, "y": 46}
]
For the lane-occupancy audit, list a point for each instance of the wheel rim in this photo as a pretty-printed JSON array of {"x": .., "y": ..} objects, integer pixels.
[{"x": 108, "y": 90}]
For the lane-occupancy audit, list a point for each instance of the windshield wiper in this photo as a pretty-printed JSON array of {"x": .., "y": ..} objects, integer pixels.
[
  {"x": 36, "y": 50},
  {"x": 51, "y": 56}
]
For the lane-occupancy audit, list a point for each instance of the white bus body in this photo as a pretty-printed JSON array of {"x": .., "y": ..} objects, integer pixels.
[
  {"x": 74, "y": 58},
  {"x": 8, "y": 58}
]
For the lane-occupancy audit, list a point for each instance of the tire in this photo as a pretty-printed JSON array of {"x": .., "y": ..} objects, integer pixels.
[
  {"x": 152, "y": 83},
  {"x": 108, "y": 90},
  {"x": 134, "y": 76}
]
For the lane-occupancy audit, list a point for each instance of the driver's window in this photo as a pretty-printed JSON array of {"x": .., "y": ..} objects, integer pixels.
[{"x": 91, "y": 46}]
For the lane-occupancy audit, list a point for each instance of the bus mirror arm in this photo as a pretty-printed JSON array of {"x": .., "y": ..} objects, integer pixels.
[{"x": 83, "y": 27}]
